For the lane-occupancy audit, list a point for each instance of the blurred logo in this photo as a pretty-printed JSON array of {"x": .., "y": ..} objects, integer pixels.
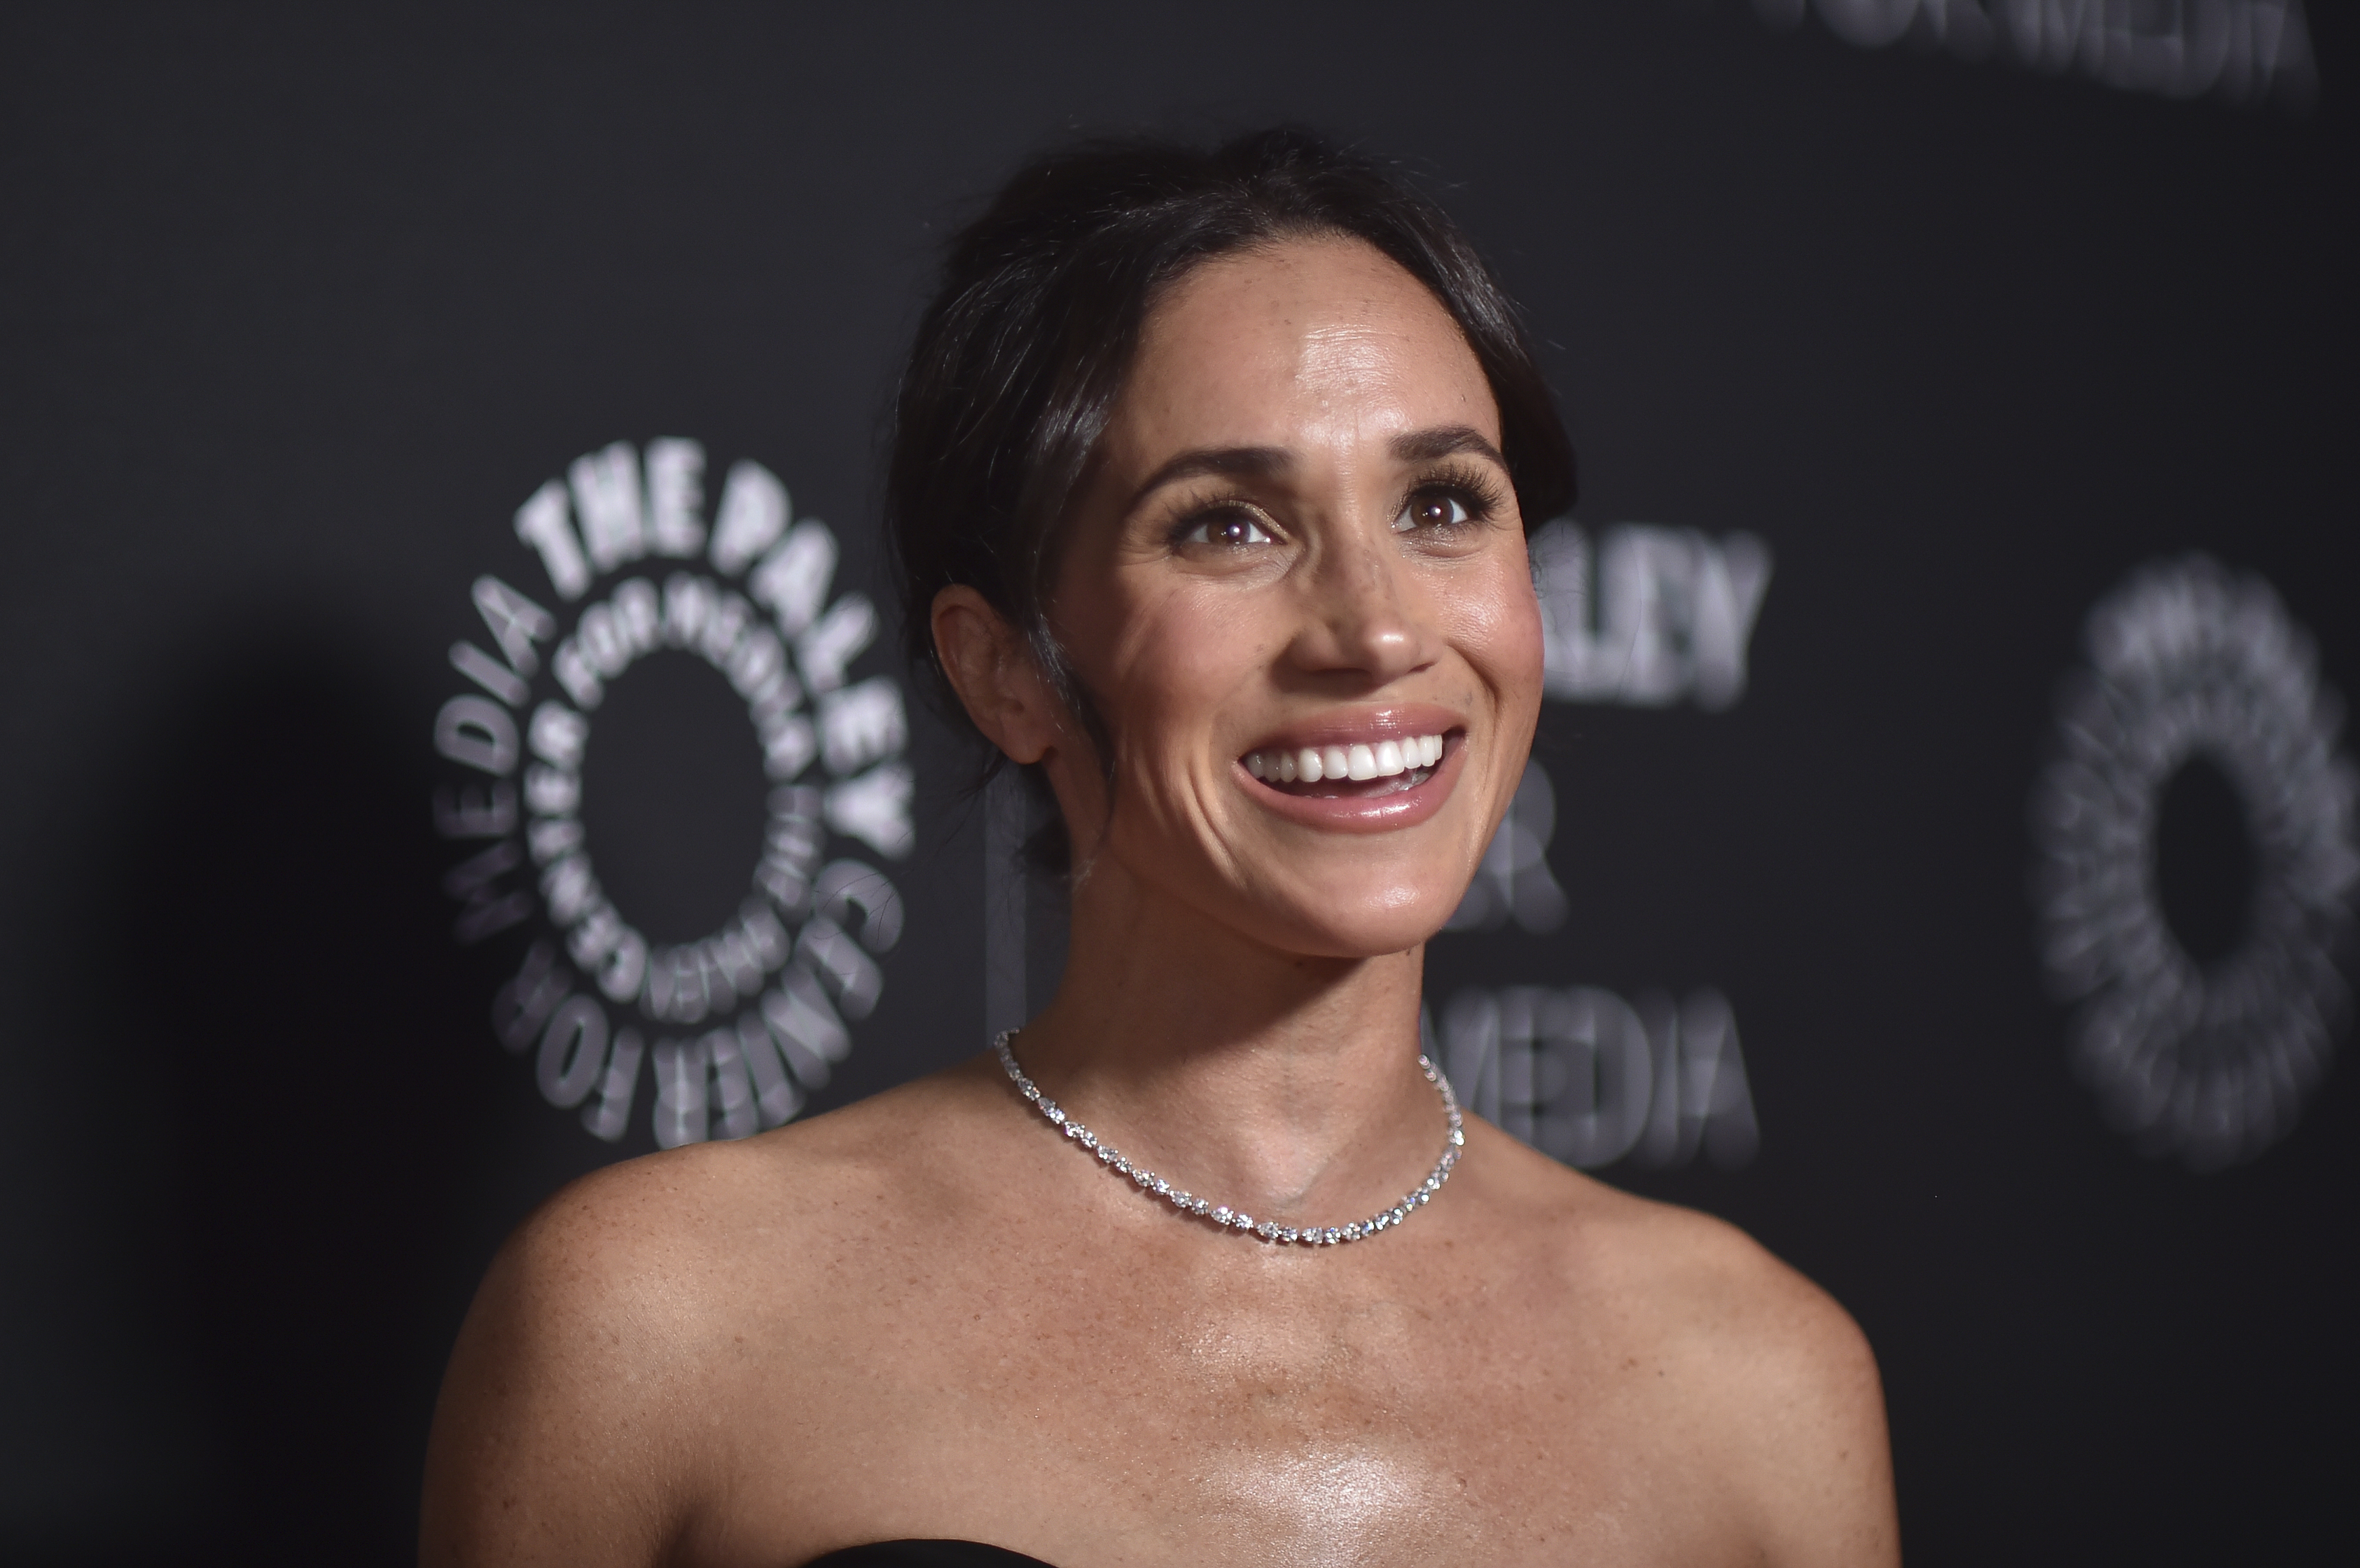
[
  {"x": 1639, "y": 616},
  {"x": 2196, "y": 852},
  {"x": 1579, "y": 1073},
  {"x": 1648, "y": 618},
  {"x": 1589, "y": 1079},
  {"x": 736, "y": 1027},
  {"x": 2245, "y": 51}
]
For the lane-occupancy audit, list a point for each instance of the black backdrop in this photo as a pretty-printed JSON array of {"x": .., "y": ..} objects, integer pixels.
[{"x": 299, "y": 307}]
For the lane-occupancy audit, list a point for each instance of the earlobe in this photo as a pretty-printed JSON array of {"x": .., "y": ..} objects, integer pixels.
[{"x": 991, "y": 669}]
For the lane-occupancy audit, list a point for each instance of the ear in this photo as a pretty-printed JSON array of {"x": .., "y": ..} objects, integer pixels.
[{"x": 992, "y": 669}]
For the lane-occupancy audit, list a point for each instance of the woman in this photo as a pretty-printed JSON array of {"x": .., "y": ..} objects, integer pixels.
[{"x": 1210, "y": 485}]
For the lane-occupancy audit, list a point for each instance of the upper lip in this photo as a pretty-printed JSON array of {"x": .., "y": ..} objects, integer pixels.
[{"x": 1349, "y": 726}]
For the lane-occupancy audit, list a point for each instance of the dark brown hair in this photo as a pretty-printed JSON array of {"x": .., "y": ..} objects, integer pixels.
[{"x": 1019, "y": 358}]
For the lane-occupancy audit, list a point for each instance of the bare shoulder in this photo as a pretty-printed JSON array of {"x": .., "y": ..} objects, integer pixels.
[
  {"x": 684, "y": 1224},
  {"x": 1761, "y": 1368},
  {"x": 577, "y": 1420},
  {"x": 1718, "y": 1291},
  {"x": 672, "y": 1242}
]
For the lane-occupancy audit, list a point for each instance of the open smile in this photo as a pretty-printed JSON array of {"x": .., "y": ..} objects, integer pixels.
[
  {"x": 1360, "y": 770},
  {"x": 1367, "y": 772}
]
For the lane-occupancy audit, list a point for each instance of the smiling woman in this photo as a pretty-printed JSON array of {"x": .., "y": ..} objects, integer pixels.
[{"x": 1211, "y": 480}]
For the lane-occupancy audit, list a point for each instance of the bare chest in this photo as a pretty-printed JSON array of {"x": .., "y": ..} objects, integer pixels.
[{"x": 1274, "y": 1414}]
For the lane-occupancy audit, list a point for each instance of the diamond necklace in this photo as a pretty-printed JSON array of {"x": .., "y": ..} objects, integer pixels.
[{"x": 1237, "y": 1219}]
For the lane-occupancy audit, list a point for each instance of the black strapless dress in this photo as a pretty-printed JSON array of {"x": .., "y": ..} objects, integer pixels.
[{"x": 925, "y": 1554}]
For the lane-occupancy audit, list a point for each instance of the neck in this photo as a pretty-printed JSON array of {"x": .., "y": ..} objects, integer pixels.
[{"x": 1275, "y": 1080}]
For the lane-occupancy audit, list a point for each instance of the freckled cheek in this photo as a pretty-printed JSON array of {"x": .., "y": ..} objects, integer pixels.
[
  {"x": 1499, "y": 633},
  {"x": 1177, "y": 670}
]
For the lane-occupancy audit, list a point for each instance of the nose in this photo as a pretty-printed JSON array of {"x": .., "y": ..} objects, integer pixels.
[{"x": 1365, "y": 619}]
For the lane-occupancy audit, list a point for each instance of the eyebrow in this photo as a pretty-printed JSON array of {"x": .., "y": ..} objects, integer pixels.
[
  {"x": 1444, "y": 441},
  {"x": 1253, "y": 462},
  {"x": 1261, "y": 462}
]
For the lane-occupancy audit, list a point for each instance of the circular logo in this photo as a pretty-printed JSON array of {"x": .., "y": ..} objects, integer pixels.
[
  {"x": 734, "y": 1027},
  {"x": 2194, "y": 675}
]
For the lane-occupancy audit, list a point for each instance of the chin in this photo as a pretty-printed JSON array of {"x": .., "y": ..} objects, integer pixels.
[{"x": 1365, "y": 924}]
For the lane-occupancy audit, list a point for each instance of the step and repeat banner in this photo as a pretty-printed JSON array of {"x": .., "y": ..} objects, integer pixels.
[{"x": 458, "y": 738}]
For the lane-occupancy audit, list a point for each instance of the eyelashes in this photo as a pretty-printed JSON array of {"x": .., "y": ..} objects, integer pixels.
[
  {"x": 1236, "y": 521},
  {"x": 1232, "y": 521},
  {"x": 1475, "y": 487}
]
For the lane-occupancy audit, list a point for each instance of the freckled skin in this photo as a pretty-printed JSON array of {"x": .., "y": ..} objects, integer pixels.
[
  {"x": 1201, "y": 655},
  {"x": 928, "y": 1315}
]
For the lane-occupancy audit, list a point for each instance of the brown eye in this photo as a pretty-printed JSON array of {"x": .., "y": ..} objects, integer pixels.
[
  {"x": 1433, "y": 508},
  {"x": 1233, "y": 530}
]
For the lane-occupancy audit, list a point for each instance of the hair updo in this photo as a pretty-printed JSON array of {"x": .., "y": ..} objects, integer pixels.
[{"x": 1021, "y": 357}]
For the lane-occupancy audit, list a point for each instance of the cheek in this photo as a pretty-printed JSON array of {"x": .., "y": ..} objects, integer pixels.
[
  {"x": 1169, "y": 661},
  {"x": 1498, "y": 631}
]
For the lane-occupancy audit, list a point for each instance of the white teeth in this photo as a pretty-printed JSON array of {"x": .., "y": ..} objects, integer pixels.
[{"x": 1376, "y": 760}]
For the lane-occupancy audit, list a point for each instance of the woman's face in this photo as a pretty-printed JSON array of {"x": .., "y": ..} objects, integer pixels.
[{"x": 1297, "y": 589}]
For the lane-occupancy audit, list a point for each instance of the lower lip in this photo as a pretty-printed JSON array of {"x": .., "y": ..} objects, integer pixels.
[{"x": 1369, "y": 814}]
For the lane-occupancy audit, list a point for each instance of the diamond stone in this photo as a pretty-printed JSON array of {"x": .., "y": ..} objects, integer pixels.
[
  {"x": 1222, "y": 1213},
  {"x": 1199, "y": 1205},
  {"x": 1162, "y": 1188},
  {"x": 1242, "y": 1222},
  {"x": 1267, "y": 1231},
  {"x": 1144, "y": 1178},
  {"x": 1049, "y": 1109},
  {"x": 1330, "y": 1236}
]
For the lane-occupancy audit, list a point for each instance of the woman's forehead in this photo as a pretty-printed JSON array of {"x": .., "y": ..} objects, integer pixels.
[{"x": 1308, "y": 341}]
